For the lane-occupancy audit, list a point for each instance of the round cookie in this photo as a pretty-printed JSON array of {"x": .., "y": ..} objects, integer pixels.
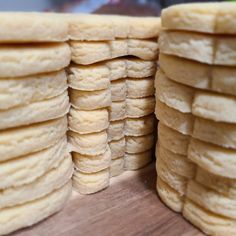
[
  {"x": 28, "y": 168},
  {"x": 118, "y": 90},
  {"x": 140, "y": 87},
  {"x": 35, "y": 112},
  {"x": 139, "y": 107},
  {"x": 117, "y": 148},
  {"x": 29, "y": 89},
  {"x": 139, "y": 144},
  {"x": 169, "y": 196},
  {"x": 89, "y": 78},
  {"x": 115, "y": 130},
  {"x": 45, "y": 184},
  {"x": 117, "y": 166},
  {"x": 86, "y": 183},
  {"x": 140, "y": 126},
  {"x": 117, "y": 111},
  {"x": 34, "y": 211},
  {"x": 20, "y": 60},
  {"x": 85, "y": 122},
  {"x": 29, "y": 139},
  {"x": 88, "y": 144},
  {"x": 137, "y": 160},
  {"x": 90, "y": 100},
  {"x": 92, "y": 163},
  {"x": 117, "y": 68}
]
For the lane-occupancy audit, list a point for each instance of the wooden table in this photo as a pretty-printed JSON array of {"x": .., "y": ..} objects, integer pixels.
[{"x": 130, "y": 206}]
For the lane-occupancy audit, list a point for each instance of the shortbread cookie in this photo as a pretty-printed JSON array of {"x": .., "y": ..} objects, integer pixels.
[
  {"x": 86, "y": 183},
  {"x": 215, "y": 50},
  {"x": 20, "y": 60},
  {"x": 202, "y": 17},
  {"x": 211, "y": 200},
  {"x": 138, "y": 107},
  {"x": 177, "y": 96},
  {"x": 85, "y": 122},
  {"x": 91, "y": 164},
  {"x": 223, "y": 185},
  {"x": 118, "y": 90},
  {"x": 215, "y": 159},
  {"x": 51, "y": 180},
  {"x": 38, "y": 27},
  {"x": 116, "y": 129},
  {"x": 177, "y": 163},
  {"x": 88, "y": 144},
  {"x": 169, "y": 196},
  {"x": 117, "y": 167},
  {"x": 35, "y": 112},
  {"x": 137, "y": 160},
  {"x": 215, "y": 107},
  {"x": 34, "y": 211},
  {"x": 29, "y": 89},
  {"x": 216, "y": 78},
  {"x": 182, "y": 122},
  {"x": 89, "y": 78},
  {"x": 117, "y": 111},
  {"x": 90, "y": 100},
  {"x": 208, "y": 222},
  {"x": 29, "y": 139},
  {"x": 28, "y": 168},
  {"x": 139, "y": 143},
  {"x": 140, "y": 126},
  {"x": 139, "y": 88},
  {"x": 172, "y": 139},
  {"x": 117, "y": 148}
]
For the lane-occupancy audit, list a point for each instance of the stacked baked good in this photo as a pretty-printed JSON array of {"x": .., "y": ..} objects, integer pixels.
[
  {"x": 196, "y": 105},
  {"x": 100, "y": 46},
  {"x": 35, "y": 165}
]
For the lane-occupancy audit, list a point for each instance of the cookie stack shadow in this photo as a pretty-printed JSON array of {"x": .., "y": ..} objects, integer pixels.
[
  {"x": 35, "y": 165},
  {"x": 196, "y": 108},
  {"x": 111, "y": 91}
]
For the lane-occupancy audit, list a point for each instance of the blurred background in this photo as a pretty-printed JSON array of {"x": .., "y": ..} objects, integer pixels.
[{"x": 125, "y": 7}]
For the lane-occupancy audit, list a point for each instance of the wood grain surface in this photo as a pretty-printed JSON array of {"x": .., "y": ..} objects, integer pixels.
[{"x": 130, "y": 206}]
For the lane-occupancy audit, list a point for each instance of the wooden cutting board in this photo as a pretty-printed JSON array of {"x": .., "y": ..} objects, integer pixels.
[{"x": 130, "y": 206}]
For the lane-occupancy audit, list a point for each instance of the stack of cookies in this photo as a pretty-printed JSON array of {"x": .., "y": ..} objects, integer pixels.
[
  {"x": 35, "y": 165},
  {"x": 97, "y": 78},
  {"x": 196, "y": 106}
]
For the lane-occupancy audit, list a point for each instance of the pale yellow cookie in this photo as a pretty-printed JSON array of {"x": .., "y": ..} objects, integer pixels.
[
  {"x": 117, "y": 111},
  {"x": 89, "y": 78},
  {"x": 92, "y": 163},
  {"x": 29, "y": 89},
  {"x": 116, "y": 129},
  {"x": 139, "y": 107},
  {"x": 216, "y": 78},
  {"x": 88, "y": 144},
  {"x": 117, "y": 148},
  {"x": 137, "y": 160},
  {"x": 140, "y": 126},
  {"x": 117, "y": 167},
  {"x": 215, "y": 50},
  {"x": 53, "y": 179},
  {"x": 34, "y": 211},
  {"x": 139, "y": 143},
  {"x": 29, "y": 139},
  {"x": 169, "y": 196},
  {"x": 35, "y": 112},
  {"x": 202, "y": 17},
  {"x": 20, "y": 60},
  {"x": 28, "y": 168},
  {"x": 215, "y": 159},
  {"x": 117, "y": 68},
  {"x": 90, "y": 100},
  {"x": 118, "y": 90},
  {"x": 85, "y": 122},
  {"x": 139, "y": 88},
  {"x": 208, "y": 222},
  {"x": 87, "y": 183}
]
